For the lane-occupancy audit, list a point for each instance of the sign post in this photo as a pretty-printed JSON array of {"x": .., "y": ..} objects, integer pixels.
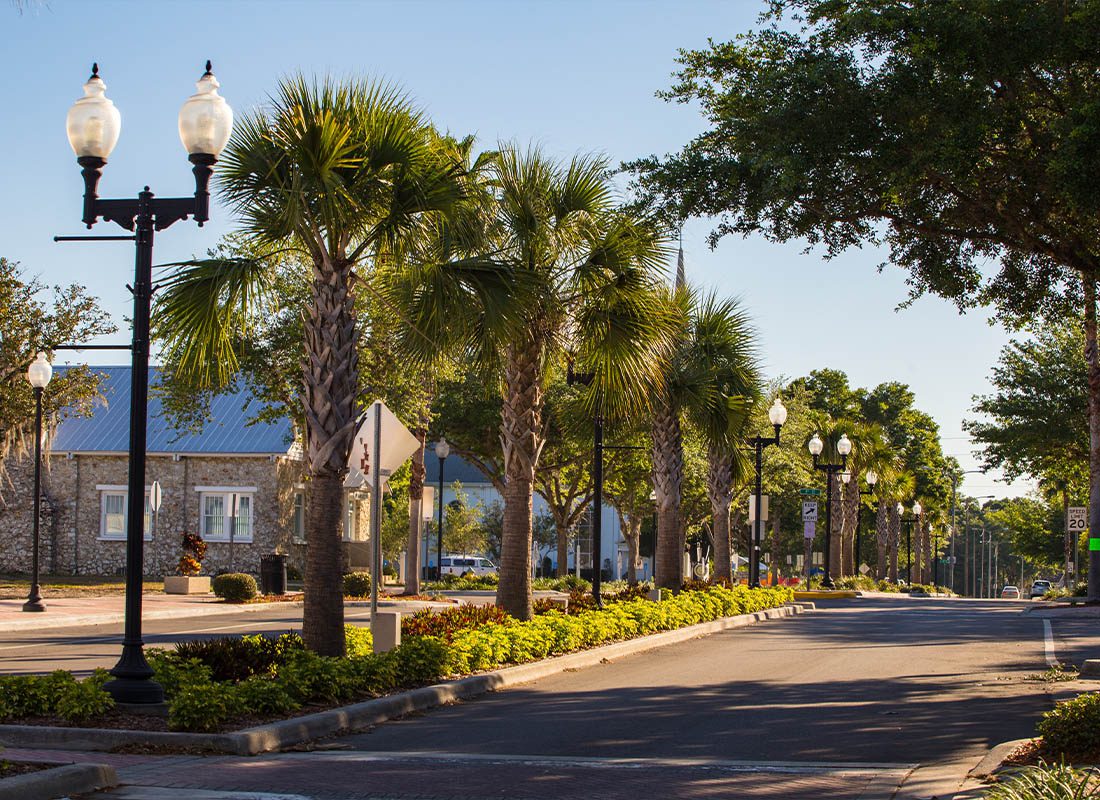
[{"x": 1076, "y": 522}]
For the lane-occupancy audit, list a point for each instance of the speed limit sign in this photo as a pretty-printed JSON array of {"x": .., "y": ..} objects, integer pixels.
[{"x": 1077, "y": 519}]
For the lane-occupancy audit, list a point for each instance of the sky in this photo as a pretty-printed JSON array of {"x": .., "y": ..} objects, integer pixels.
[{"x": 568, "y": 75}]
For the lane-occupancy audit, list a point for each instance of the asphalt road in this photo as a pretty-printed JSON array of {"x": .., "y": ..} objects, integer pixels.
[{"x": 870, "y": 680}]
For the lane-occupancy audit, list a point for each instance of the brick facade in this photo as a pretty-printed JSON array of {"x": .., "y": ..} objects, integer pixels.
[{"x": 71, "y": 539}]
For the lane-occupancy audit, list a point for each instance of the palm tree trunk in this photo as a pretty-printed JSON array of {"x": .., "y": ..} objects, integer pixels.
[
  {"x": 1092, "y": 358},
  {"x": 927, "y": 571},
  {"x": 720, "y": 493},
  {"x": 330, "y": 374},
  {"x": 416, "y": 514},
  {"x": 895, "y": 534},
  {"x": 668, "y": 478},
  {"x": 522, "y": 439},
  {"x": 630, "y": 526},
  {"x": 882, "y": 539},
  {"x": 835, "y": 550}
]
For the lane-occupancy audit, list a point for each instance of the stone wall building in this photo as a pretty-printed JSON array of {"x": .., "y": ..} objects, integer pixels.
[{"x": 240, "y": 486}]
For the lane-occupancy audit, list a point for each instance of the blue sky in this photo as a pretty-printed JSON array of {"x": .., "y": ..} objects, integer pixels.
[{"x": 569, "y": 75}]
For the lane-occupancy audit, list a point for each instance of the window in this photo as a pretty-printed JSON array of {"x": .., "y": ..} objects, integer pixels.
[
  {"x": 112, "y": 517},
  {"x": 225, "y": 514},
  {"x": 298, "y": 518}
]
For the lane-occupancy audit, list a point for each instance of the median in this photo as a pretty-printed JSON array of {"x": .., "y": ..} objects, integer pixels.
[{"x": 259, "y": 693}]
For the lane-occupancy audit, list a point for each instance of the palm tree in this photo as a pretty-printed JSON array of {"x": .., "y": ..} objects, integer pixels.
[
  {"x": 710, "y": 376},
  {"x": 871, "y": 451},
  {"x": 583, "y": 285},
  {"x": 332, "y": 171}
]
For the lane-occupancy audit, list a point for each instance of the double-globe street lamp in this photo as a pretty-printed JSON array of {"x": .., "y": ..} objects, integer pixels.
[
  {"x": 777, "y": 415},
  {"x": 38, "y": 374},
  {"x": 442, "y": 450},
  {"x": 872, "y": 479},
  {"x": 909, "y": 536},
  {"x": 843, "y": 448},
  {"x": 93, "y": 125}
]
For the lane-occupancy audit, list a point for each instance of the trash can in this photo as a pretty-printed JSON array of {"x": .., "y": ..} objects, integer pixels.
[{"x": 273, "y": 573}]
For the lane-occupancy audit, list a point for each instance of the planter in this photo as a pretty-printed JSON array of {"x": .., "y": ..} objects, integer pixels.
[{"x": 186, "y": 584}]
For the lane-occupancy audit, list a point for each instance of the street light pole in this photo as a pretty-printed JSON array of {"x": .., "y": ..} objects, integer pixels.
[
  {"x": 93, "y": 125},
  {"x": 38, "y": 375},
  {"x": 909, "y": 537},
  {"x": 843, "y": 448},
  {"x": 777, "y": 416},
  {"x": 872, "y": 479},
  {"x": 442, "y": 450}
]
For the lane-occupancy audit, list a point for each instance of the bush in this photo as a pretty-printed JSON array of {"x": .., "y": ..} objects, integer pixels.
[
  {"x": 235, "y": 587},
  {"x": 234, "y": 659},
  {"x": 1081, "y": 589},
  {"x": 444, "y": 624},
  {"x": 58, "y": 693},
  {"x": 358, "y": 641},
  {"x": 357, "y": 584},
  {"x": 293, "y": 573},
  {"x": 389, "y": 570},
  {"x": 1072, "y": 729},
  {"x": 1047, "y": 782}
]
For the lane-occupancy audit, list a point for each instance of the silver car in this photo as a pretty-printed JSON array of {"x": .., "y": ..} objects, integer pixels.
[{"x": 1039, "y": 588}]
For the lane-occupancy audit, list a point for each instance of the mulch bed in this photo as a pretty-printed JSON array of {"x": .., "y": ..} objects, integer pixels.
[
  {"x": 9, "y": 769},
  {"x": 1030, "y": 753}
]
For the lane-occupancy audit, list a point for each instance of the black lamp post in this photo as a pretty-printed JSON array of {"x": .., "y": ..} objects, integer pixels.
[
  {"x": 442, "y": 450},
  {"x": 936, "y": 559},
  {"x": 843, "y": 448},
  {"x": 909, "y": 537},
  {"x": 38, "y": 374},
  {"x": 872, "y": 479},
  {"x": 585, "y": 379},
  {"x": 93, "y": 125},
  {"x": 777, "y": 415}
]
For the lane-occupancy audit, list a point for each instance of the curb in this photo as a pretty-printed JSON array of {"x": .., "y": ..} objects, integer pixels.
[
  {"x": 58, "y": 781},
  {"x": 835, "y": 594},
  {"x": 285, "y": 733}
]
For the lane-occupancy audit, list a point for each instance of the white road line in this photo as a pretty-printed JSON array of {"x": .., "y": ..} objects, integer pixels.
[{"x": 1048, "y": 641}]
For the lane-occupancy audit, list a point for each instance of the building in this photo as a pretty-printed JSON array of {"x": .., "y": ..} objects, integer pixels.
[{"x": 238, "y": 485}]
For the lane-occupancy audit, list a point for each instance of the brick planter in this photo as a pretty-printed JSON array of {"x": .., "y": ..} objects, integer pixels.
[{"x": 186, "y": 584}]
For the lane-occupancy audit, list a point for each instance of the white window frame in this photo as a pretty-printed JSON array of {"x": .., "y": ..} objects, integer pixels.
[
  {"x": 112, "y": 490},
  {"x": 227, "y": 493}
]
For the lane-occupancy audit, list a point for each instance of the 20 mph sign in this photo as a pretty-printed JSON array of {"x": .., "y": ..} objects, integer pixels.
[{"x": 1077, "y": 519}]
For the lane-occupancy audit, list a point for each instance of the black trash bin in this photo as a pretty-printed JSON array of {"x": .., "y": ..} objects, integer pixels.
[{"x": 273, "y": 573}]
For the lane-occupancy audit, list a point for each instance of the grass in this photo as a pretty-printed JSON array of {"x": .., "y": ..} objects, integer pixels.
[
  {"x": 1055, "y": 674},
  {"x": 13, "y": 587}
]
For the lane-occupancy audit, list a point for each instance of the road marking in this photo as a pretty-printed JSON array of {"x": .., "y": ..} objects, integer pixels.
[
  {"x": 1048, "y": 642},
  {"x": 810, "y": 767}
]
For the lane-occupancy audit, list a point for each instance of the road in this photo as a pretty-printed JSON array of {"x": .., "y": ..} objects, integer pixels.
[{"x": 836, "y": 704}]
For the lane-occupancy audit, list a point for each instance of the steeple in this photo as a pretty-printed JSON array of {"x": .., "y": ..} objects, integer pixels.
[{"x": 681, "y": 279}]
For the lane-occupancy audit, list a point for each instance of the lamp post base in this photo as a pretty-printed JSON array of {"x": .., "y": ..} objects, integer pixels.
[
  {"x": 133, "y": 679},
  {"x": 34, "y": 602}
]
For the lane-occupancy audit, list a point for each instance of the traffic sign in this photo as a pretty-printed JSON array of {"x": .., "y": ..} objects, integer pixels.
[
  {"x": 1077, "y": 519},
  {"x": 155, "y": 496},
  {"x": 810, "y": 492},
  {"x": 809, "y": 511},
  {"x": 809, "y": 529}
]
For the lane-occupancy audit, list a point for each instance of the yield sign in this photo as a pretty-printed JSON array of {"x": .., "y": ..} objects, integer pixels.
[{"x": 397, "y": 445}]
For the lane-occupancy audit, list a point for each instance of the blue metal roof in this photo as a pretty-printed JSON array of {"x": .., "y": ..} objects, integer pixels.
[
  {"x": 456, "y": 468},
  {"x": 107, "y": 430}
]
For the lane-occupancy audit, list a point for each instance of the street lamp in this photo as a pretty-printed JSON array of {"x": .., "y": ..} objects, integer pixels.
[
  {"x": 843, "y": 448},
  {"x": 871, "y": 479},
  {"x": 93, "y": 125},
  {"x": 38, "y": 374},
  {"x": 777, "y": 415},
  {"x": 908, "y": 536},
  {"x": 442, "y": 450}
]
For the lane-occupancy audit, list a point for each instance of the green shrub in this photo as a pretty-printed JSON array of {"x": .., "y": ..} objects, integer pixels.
[
  {"x": 358, "y": 641},
  {"x": 82, "y": 701},
  {"x": 1047, "y": 782},
  {"x": 357, "y": 584},
  {"x": 1081, "y": 589},
  {"x": 203, "y": 706},
  {"x": 389, "y": 570},
  {"x": 173, "y": 672},
  {"x": 58, "y": 693},
  {"x": 1072, "y": 728},
  {"x": 232, "y": 658},
  {"x": 294, "y": 573},
  {"x": 235, "y": 587},
  {"x": 421, "y": 660},
  {"x": 264, "y": 695}
]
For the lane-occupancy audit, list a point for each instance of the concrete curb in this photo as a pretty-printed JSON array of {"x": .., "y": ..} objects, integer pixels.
[
  {"x": 285, "y": 733},
  {"x": 828, "y": 594},
  {"x": 58, "y": 781}
]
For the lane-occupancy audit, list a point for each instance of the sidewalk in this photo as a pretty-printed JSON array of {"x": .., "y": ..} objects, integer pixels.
[{"x": 72, "y": 612}]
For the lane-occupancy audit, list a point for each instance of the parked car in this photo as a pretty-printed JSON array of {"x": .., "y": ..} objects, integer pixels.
[
  {"x": 1039, "y": 588},
  {"x": 460, "y": 565},
  {"x": 1010, "y": 593}
]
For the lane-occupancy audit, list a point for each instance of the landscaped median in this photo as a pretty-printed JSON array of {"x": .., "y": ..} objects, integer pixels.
[{"x": 259, "y": 693}]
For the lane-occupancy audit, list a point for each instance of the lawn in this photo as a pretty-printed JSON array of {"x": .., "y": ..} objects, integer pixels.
[{"x": 16, "y": 586}]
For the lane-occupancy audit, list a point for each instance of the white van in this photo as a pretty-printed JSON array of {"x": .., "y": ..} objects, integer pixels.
[{"x": 460, "y": 565}]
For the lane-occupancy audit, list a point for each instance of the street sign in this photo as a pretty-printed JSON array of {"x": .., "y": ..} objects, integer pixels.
[
  {"x": 809, "y": 511},
  {"x": 809, "y": 529},
  {"x": 810, "y": 492},
  {"x": 155, "y": 495},
  {"x": 1077, "y": 519},
  {"x": 864, "y": 569}
]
